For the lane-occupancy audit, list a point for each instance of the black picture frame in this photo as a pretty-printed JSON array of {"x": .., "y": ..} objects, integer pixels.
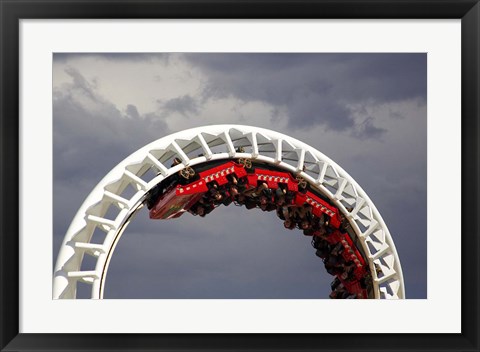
[{"x": 12, "y": 11}]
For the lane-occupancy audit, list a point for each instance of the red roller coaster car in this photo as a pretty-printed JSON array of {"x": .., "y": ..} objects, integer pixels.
[{"x": 177, "y": 199}]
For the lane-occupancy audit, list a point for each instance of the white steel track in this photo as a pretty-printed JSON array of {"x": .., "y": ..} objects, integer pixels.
[{"x": 196, "y": 146}]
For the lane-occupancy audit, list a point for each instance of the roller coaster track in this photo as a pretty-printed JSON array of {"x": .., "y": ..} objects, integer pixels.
[{"x": 196, "y": 146}]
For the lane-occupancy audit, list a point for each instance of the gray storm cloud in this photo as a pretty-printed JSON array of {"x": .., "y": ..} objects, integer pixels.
[
  {"x": 185, "y": 105},
  {"x": 316, "y": 88}
]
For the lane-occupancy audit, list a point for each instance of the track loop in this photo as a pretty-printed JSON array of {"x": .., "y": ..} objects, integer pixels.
[{"x": 127, "y": 185}]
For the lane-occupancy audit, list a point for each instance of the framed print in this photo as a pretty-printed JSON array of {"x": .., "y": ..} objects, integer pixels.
[{"x": 212, "y": 105}]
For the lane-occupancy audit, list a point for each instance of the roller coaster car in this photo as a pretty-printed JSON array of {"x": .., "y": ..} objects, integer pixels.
[
  {"x": 177, "y": 199},
  {"x": 319, "y": 206},
  {"x": 272, "y": 179},
  {"x": 172, "y": 205},
  {"x": 349, "y": 252},
  {"x": 355, "y": 277}
]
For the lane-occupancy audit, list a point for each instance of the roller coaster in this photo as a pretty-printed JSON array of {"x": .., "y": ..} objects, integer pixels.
[{"x": 200, "y": 169}]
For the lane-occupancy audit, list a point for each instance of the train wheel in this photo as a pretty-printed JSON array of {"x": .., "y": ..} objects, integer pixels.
[
  {"x": 246, "y": 163},
  {"x": 301, "y": 182},
  {"x": 185, "y": 174}
]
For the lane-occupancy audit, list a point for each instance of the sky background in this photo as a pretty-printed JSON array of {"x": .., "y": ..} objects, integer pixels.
[{"x": 367, "y": 112}]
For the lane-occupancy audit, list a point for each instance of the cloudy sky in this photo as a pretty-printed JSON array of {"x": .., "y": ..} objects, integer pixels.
[{"x": 367, "y": 112}]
